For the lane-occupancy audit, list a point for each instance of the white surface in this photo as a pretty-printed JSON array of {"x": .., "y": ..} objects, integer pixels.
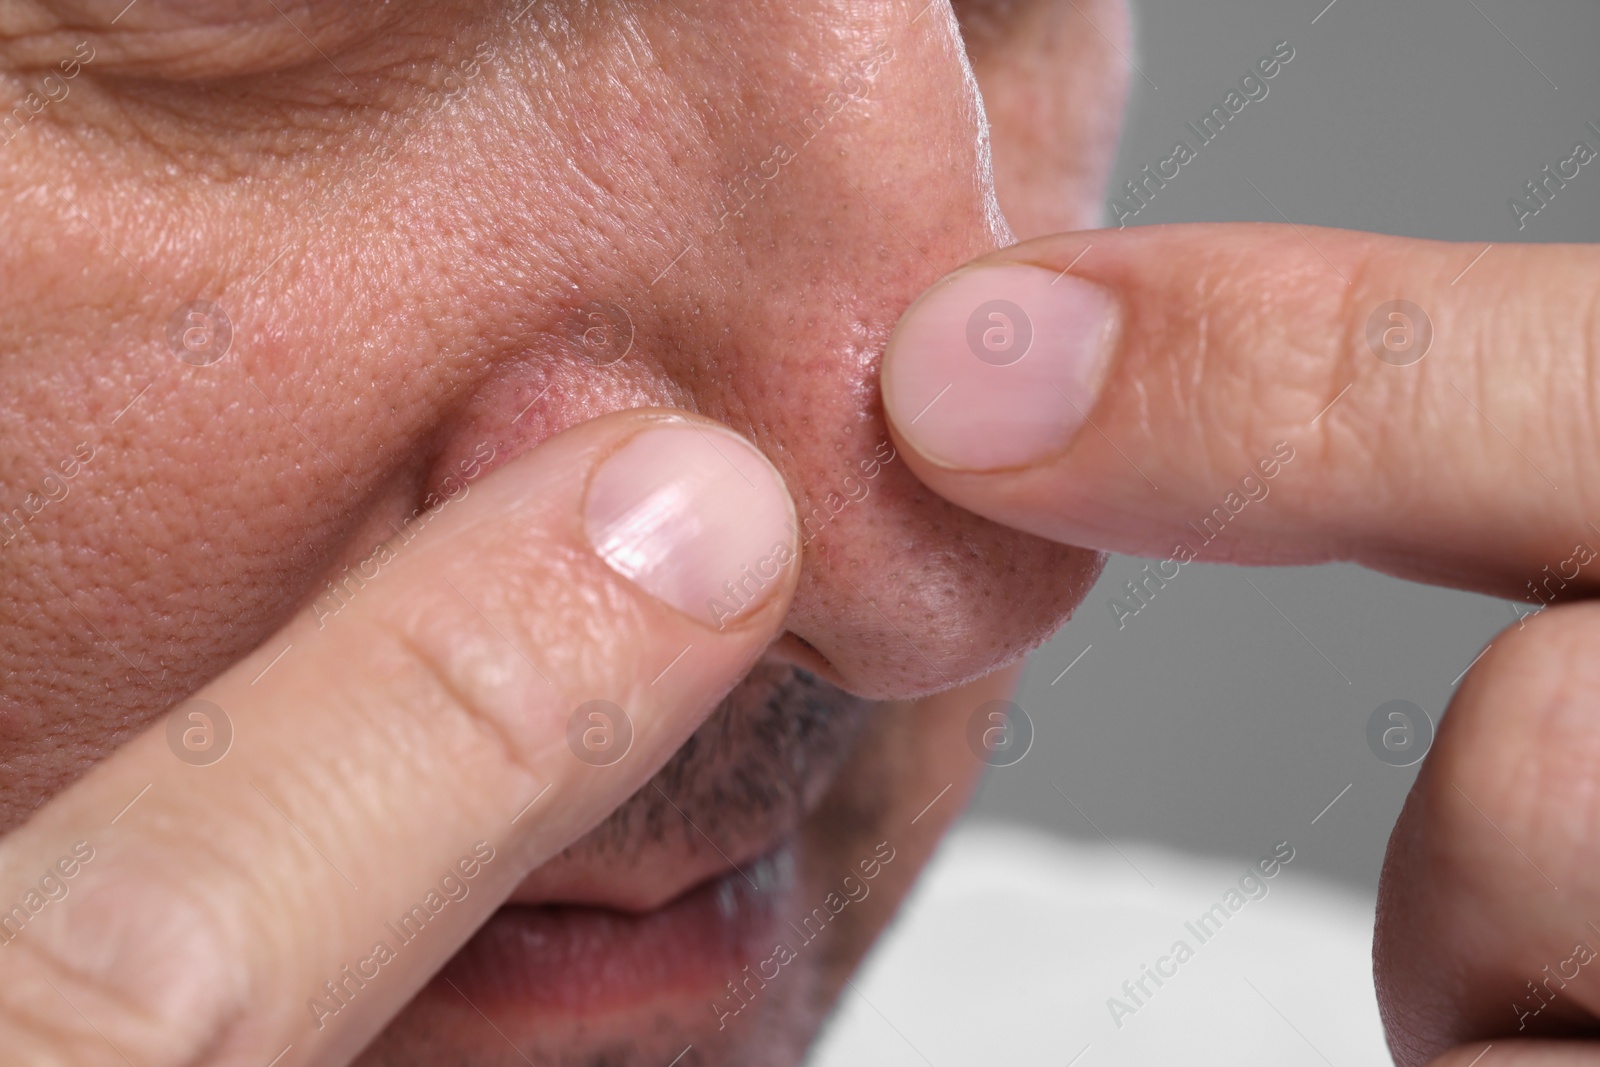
[{"x": 1013, "y": 942}]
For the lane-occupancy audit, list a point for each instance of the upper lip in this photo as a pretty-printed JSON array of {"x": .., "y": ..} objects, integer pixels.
[{"x": 640, "y": 889}]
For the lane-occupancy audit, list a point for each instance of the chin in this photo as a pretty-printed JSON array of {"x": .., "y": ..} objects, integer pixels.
[{"x": 718, "y": 928}]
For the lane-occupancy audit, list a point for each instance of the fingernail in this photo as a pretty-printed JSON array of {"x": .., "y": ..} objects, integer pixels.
[
  {"x": 694, "y": 516},
  {"x": 998, "y": 366}
]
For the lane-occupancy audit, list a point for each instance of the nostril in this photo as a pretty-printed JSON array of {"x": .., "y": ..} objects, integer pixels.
[
  {"x": 796, "y": 651},
  {"x": 803, "y": 643}
]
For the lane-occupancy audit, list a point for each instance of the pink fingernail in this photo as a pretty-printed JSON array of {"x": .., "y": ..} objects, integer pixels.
[
  {"x": 694, "y": 516},
  {"x": 998, "y": 366}
]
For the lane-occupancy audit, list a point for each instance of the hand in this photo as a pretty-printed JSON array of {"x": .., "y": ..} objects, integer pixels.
[
  {"x": 269, "y": 874},
  {"x": 1272, "y": 395}
]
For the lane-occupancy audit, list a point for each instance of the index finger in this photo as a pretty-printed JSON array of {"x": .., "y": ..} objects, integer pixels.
[
  {"x": 1267, "y": 394},
  {"x": 395, "y": 770}
]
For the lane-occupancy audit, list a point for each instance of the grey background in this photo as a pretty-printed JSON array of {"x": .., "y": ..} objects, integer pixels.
[{"x": 1207, "y": 723}]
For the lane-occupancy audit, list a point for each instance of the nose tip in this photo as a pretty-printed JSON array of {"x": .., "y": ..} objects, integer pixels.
[{"x": 904, "y": 594}]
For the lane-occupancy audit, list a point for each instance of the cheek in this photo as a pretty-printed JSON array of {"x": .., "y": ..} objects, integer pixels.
[{"x": 186, "y": 546}]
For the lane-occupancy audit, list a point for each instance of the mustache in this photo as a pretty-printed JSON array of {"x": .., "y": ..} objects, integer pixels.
[{"x": 750, "y": 773}]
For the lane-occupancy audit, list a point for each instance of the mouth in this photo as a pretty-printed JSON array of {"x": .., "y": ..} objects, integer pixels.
[
  {"x": 662, "y": 905},
  {"x": 571, "y": 962}
]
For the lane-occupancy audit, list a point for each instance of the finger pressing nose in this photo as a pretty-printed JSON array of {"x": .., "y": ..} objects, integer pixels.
[
  {"x": 1251, "y": 394},
  {"x": 272, "y": 873}
]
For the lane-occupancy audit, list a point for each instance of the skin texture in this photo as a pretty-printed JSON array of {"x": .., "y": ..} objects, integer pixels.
[
  {"x": 444, "y": 232},
  {"x": 447, "y": 231}
]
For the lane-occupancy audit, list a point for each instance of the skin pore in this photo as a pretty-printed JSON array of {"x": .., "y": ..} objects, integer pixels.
[{"x": 413, "y": 218}]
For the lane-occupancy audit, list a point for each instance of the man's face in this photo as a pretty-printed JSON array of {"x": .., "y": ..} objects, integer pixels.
[{"x": 424, "y": 237}]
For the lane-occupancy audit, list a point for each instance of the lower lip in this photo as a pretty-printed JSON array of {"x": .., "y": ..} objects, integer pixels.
[{"x": 575, "y": 961}]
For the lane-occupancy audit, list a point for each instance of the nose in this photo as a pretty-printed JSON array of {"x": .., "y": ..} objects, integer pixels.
[{"x": 858, "y": 176}]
